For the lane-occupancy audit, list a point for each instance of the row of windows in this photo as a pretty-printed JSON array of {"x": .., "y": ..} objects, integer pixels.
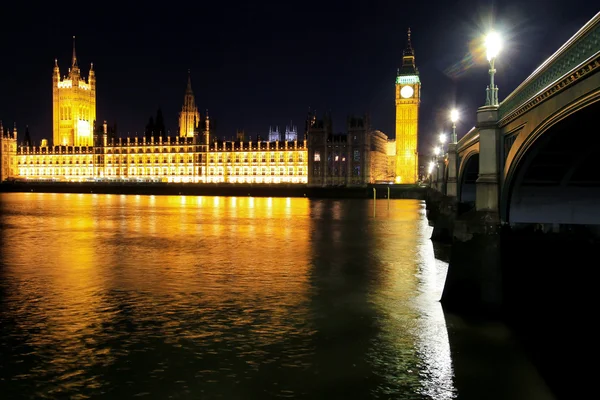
[
  {"x": 157, "y": 171},
  {"x": 138, "y": 160},
  {"x": 56, "y": 162},
  {"x": 255, "y": 159},
  {"x": 336, "y": 157},
  {"x": 172, "y": 149},
  {"x": 255, "y": 171},
  {"x": 66, "y": 113},
  {"x": 56, "y": 171}
]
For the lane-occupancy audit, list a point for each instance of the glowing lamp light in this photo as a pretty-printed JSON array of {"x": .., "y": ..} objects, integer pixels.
[
  {"x": 493, "y": 45},
  {"x": 437, "y": 151},
  {"x": 442, "y": 138},
  {"x": 431, "y": 167},
  {"x": 453, "y": 118},
  {"x": 454, "y": 115}
]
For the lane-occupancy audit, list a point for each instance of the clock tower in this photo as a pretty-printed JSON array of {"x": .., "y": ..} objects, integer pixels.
[{"x": 408, "y": 97}]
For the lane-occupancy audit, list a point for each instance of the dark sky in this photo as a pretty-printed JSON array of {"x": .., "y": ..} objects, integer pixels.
[{"x": 258, "y": 64}]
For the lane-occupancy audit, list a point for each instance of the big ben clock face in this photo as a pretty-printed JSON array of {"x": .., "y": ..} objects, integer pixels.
[{"x": 406, "y": 91}]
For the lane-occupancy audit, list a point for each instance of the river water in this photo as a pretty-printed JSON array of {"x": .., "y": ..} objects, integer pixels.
[{"x": 183, "y": 297}]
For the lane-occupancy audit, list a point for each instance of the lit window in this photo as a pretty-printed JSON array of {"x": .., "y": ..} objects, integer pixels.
[{"x": 317, "y": 156}]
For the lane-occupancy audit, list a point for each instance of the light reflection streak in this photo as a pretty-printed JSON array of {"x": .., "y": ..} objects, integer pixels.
[
  {"x": 409, "y": 294},
  {"x": 433, "y": 342},
  {"x": 223, "y": 282},
  {"x": 87, "y": 283}
]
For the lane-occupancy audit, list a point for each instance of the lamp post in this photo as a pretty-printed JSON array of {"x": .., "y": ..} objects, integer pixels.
[
  {"x": 443, "y": 139},
  {"x": 492, "y": 46},
  {"x": 442, "y": 164},
  {"x": 454, "y": 118},
  {"x": 430, "y": 172}
]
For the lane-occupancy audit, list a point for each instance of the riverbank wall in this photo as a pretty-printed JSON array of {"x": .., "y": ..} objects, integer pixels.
[{"x": 193, "y": 189}]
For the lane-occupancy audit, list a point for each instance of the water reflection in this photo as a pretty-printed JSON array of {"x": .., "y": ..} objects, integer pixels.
[
  {"x": 116, "y": 296},
  {"x": 384, "y": 280}
]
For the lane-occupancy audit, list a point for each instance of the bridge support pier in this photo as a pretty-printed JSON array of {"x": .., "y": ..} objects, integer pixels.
[
  {"x": 446, "y": 209},
  {"x": 487, "y": 195},
  {"x": 474, "y": 280},
  {"x": 441, "y": 184},
  {"x": 452, "y": 184}
]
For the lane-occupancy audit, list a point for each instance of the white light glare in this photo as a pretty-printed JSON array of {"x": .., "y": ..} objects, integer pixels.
[
  {"x": 454, "y": 115},
  {"x": 431, "y": 167},
  {"x": 493, "y": 44}
]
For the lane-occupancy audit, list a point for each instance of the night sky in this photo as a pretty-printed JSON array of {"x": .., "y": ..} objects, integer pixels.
[{"x": 258, "y": 64}]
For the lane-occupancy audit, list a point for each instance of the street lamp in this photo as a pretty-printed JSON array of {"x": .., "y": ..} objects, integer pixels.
[
  {"x": 454, "y": 118},
  {"x": 493, "y": 44},
  {"x": 437, "y": 151},
  {"x": 430, "y": 172},
  {"x": 443, "y": 140},
  {"x": 431, "y": 167}
]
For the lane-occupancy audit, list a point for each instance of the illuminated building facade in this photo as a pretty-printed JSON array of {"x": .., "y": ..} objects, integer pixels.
[
  {"x": 274, "y": 135},
  {"x": 355, "y": 158},
  {"x": 73, "y": 105},
  {"x": 88, "y": 154},
  {"x": 291, "y": 132},
  {"x": 176, "y": 159},
  {"x": 408, "y": 97},
  {"x": 8, "y": 151},
  {"x": 84, "y": 151}
]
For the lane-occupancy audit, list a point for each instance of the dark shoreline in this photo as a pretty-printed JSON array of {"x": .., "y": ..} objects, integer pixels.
[{"x": 194, "y": 189}]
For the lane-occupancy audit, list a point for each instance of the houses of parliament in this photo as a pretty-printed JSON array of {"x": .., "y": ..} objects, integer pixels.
[{"x": 83, "y": 150}]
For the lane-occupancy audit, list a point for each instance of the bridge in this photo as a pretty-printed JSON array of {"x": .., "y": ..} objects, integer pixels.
[
  {"x": 529, "y": 167},
  {"x": 518, "y": 198},
  {"x": 534, "y": 157}
]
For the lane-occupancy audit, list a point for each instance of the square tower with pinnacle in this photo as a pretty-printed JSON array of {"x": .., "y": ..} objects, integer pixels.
[
  {"x": 73, "y": 106},
  {"x": 408, "y": 98}
]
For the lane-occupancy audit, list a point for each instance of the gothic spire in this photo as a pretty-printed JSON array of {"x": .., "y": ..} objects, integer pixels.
[
  {"x": 189, "y": 84},
  {"x": 408, "y": 59},
  {"x": 409, "y": 49},
  {"x": 74, "y": 61},
  {"x": 27, "y": 139}
]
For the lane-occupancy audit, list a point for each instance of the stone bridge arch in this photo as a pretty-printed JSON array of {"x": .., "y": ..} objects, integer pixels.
[
  {"x": 553, "y": 175},
  {"x": 467, "y": 176}
]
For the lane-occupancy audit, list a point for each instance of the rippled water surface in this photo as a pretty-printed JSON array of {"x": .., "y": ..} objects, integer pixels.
[{"x": 108, "y": 296}]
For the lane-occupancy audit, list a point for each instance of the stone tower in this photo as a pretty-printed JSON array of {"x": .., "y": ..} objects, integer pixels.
[
  {"x": 408, "y": 97},
  {"x": 189, "y": 117},
  {"x": 73, "y": 105},
  {"x": 8, "y": 153}
]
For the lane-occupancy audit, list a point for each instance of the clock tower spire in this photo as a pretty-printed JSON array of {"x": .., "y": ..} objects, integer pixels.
[{"x": 408, "y": 97}]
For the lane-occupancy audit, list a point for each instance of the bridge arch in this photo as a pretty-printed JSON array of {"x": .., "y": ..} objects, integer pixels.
[
  {"x": 555, "y": 175},
  {"x": 467, "y": 178}
]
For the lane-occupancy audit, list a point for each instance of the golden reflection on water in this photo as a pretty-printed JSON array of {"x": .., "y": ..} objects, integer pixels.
[
  {"x": 219, "y": 291},
  {"x": 414, "y": 278}
]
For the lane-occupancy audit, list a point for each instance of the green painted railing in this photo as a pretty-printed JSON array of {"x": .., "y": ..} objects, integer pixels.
[{"x": 585, "y": 44}]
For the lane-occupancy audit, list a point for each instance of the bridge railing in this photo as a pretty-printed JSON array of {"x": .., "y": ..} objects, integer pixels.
[
  {"x": 468, "y": 139},
  {"x": 577, "y": 51}
]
